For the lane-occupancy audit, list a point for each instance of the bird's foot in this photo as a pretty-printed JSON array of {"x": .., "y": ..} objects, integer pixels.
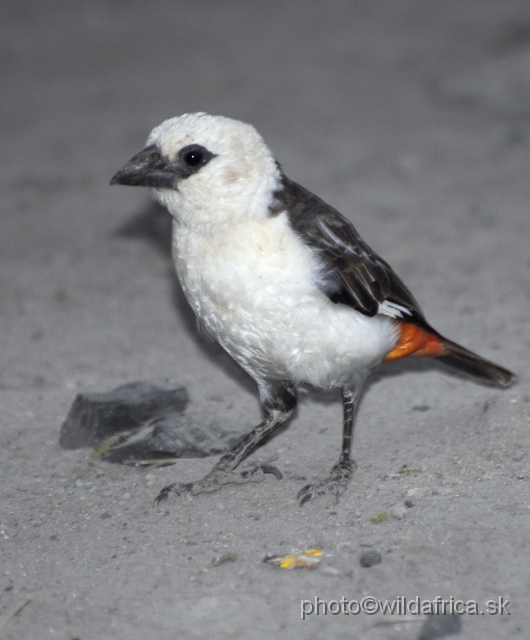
[
  {"x": 218, "y": 477},
  {"x": 336, "y": 483}
]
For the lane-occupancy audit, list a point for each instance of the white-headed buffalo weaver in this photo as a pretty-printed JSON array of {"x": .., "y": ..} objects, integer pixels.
[{"x": 282, "y": 281}]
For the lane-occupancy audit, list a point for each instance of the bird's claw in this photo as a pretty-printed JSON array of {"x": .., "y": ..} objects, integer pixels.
[
  {"x": 164, "y": 494},
  {"x": 336, "y": 483},
  {"x": 216, "y": 479},
  {"x": 269, "y": 468}
]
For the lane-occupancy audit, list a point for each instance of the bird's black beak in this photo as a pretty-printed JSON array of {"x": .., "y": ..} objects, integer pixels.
[{"x": 147, "y": 169}]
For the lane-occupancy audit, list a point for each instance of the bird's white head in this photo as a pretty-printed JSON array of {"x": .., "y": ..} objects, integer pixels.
[{"x": 207, "y": 170}]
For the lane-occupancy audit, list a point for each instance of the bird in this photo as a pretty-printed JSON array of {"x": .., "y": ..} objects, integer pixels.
[{"x": 283, "y": 282}]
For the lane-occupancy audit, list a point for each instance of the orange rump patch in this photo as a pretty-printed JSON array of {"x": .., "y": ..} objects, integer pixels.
[{"x": 415, "y": 342}]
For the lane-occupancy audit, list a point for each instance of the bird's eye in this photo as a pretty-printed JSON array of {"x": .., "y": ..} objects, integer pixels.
[{"x": 193, "y": 158}]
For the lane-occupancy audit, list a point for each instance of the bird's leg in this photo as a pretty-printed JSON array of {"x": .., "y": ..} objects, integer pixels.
[
  {"x": 341, "y": 473},
  {"x": 278, "y": 399}
]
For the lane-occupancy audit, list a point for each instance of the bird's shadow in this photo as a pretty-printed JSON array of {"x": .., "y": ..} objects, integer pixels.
[{"x": 153, "y": 224}]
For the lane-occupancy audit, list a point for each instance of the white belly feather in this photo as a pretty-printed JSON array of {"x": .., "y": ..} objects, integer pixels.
[{"x": 254, "y": 289}]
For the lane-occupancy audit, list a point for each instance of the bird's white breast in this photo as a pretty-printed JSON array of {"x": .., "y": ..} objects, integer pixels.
[{"x": 254, "y": 286}]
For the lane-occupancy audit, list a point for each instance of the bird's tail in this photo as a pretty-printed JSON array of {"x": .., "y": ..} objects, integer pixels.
[
  {"x": 473, "y": 365},
  {"x": 422, "y": 341}
]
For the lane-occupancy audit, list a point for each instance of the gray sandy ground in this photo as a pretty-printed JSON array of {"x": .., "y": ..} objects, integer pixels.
[{"x": 411, "y": 117}]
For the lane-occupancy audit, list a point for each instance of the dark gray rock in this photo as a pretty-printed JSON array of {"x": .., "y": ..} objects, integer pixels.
[{"x": 94, "y": 417}]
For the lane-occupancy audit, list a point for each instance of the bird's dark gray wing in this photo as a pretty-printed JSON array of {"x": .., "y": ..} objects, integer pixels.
[{"x": 358, "y": 277}]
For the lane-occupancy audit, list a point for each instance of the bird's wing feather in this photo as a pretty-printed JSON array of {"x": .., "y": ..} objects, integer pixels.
[{"x": 358, "y": 277}]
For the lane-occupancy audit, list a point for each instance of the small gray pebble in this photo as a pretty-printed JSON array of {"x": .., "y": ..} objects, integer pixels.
[
  {"x": 409, "y": 504},
  {"x": 440, "y": 626},
  {"x": 370, "y": 558}
]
